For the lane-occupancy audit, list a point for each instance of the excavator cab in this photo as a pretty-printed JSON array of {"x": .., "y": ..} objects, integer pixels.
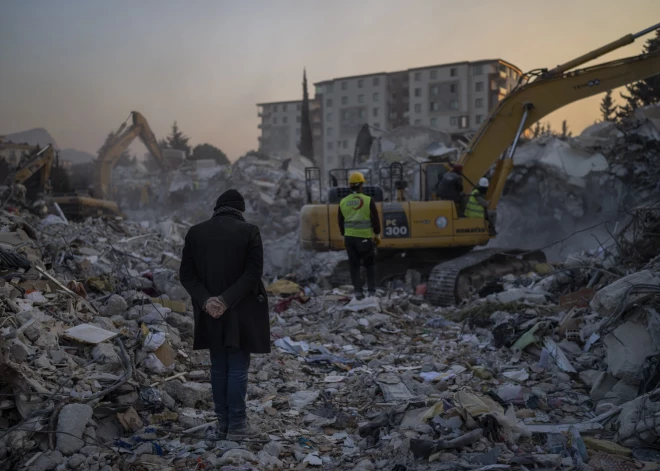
[{"x": 431, "y": 173}]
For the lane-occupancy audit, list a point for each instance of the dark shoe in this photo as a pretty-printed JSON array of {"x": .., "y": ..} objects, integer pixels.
[
  {"x": 243, "y": 432},
  {"x": 221, "y": 432}
]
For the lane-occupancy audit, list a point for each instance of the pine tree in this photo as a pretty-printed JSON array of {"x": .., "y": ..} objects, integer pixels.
[
  {"x": 178, "y": 140},
  {"x": 306, "y": 146},
  {"x": 537, "y": 129},
  {"x": 565, "y": 133},
  {"x": 645, "y": 92},
  {"x": 607, "y": 107}
]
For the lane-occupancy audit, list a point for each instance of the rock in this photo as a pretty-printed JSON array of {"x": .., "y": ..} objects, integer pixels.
[
  {"x": 589, "y": 377},
  {"x": 189, "y": 418},
  {"x": 180, "y": 321},
  {"x": 517, "y": 295},
  {"x": 116, "y": 305},
  {"x": 33, "y": 331},
  {"x": 72, "y": 419},
  {"x": 47, "y": 341},
  {"x": 269, "y": 461},
  {"x": 105, "y": 354},
  {"x": 128, "y": 399},
  {"x": 636, "y": 424},
  {"x": 262, "y": 375},
  {"x": 75, "y": 461},
  {"x": 627, "y": 347},
  {"x": 105, "y": 323},
  {"x": 365, "y": 465},
  {"x": 167, "y": 282},
  {"x": 47, "y": 461},
  {"x": 42, "y": 362},
  {"x": 18, "y": 350},
  {"x": 90, "y": 451},
  {"x": 144, "y": 449},
  {"x": 602, "y": 385},
  {"x": 608, "y": 298},
  {"x": 168, "y": 401},
  {"x": 274, "y": 448},
  {"x": 624, "y": 391},
  {"x": 237, "y": 456},
  {"x": 193, "y": 393}
]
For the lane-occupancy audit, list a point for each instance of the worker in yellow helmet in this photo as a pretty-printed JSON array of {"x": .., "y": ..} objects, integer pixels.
[{"x": 360, "y": 226}]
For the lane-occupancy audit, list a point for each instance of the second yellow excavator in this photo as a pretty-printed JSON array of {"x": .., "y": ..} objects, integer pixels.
[
  {"x": 101, "y": 199},
  {"x": 430, "y": 235}
]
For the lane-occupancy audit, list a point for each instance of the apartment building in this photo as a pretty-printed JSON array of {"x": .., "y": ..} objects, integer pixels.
[
  {"x": 280, "y": 127},
  {"x": 453, "y": 98},
  {"x": 458, "y": 97}
]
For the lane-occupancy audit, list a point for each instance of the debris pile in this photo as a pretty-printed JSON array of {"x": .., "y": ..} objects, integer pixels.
[{"x": 556, "y": 368}]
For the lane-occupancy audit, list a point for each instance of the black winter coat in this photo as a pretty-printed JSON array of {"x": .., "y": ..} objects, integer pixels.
[{"x": 224, "y": 257}]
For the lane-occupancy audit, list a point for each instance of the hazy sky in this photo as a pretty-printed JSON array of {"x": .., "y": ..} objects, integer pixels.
[{"x": 77, "y": 68}]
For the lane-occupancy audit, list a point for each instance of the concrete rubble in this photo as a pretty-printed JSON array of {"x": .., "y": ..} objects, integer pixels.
[{"x": 555, "y": 369}]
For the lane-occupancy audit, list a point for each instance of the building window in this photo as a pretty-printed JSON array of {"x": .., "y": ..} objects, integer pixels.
[
  {"x": 274, "y": 120},
  {"x": 452, "y": 88},
  {"x": 284, "y": 120},
  {"x": 453, "y": 72},
  {"x": 344, "y": 100},
  {"x": 418, "y": 76},
  {"x": 360, "y": 83},
  {"x": 361, "y": 114},
  {"x": 434, "y": 74},
  {"x": 418, "y": 122},
  {"x": 477, "y": 70},
  {"x": 344, "y": 115},
  {"x": 503, "y": 69},
  {"x": 479, "y": 103},
  {"x": 283, "y": 107},
  {"x": 319, "y": 89},
  {"x": 360, "y": 98},
  {"x": 418, "y": 92},
  {"x": 453, "y": 104},
  {"x": 374, "y": 112},
  {"x": 376, "y": 81},
  {"x": 376, "y": 96},
  {"x": 453, "y": 121},
  {"x": 345, "y": 144},
  {"x": 328, "y": 102},
  {"x": 434, "y": 91},
  {"x": 328, "y": 117},
  {"x": 344, "y": 85},
  {"x": 479, "y": 86},
  {"x": 435, "y": 106},
  {"x": 329, "y": 145},
  {"x": 418, "y": 107},
  {"x": 329, "y": 88},
  {"x": 479, "y": 118},
  {"x": 434, "y": 122},
  {"x": 329, "y": 131},
  {"x": 274, "y": 107},
  {"x": 297, "y": 119}
]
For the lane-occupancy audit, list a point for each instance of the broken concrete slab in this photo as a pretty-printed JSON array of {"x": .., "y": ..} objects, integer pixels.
[
  {"x": 627, "y": 347},
  {"x": 614, "y": 296},
  {"x": 71, "y": 424}
]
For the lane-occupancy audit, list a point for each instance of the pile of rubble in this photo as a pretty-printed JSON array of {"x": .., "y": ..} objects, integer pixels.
[{"x": 555, "y": 369}]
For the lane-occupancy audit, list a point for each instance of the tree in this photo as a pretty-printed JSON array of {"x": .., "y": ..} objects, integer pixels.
[
  {"x": 125, "y": 159},
  {"x": 607, "y": 107},
  {"x": 537, "y": 129},
  {"x": 565, "y": 133},
  {"x": 306, "y": 146},
  {"x": 207, "y": 151},
  {"x": 178, "y": 140},
  {"x": 645, "y": 92}
]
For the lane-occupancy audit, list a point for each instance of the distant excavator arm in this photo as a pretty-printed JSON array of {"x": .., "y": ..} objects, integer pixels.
[
  {"x": 539, "y": 96},
  {"x": 110, "y": 153},
  {"x": 41, "y": 160}
]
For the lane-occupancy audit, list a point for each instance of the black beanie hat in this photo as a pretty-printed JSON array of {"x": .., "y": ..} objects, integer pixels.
[{"x": 231, "y": 198}]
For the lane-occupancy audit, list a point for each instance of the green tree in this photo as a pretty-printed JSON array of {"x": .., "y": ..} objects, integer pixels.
[
  {"x": 207, "y": 151},
  {"x": 565, "y": 133},
  {"x": 306, "y": 145},
  {"x": 645, "y": 92},
  {"x": 607, "y": 107},
  {"x": 178, "y": 140}
]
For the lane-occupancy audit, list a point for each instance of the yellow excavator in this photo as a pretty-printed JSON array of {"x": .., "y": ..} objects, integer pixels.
[
  {"x": 429, "y": 235},
  {"x": 100, "y": 201}
]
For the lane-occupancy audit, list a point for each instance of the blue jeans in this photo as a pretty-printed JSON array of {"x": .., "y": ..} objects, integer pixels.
[{"x": 229, "y": 378}]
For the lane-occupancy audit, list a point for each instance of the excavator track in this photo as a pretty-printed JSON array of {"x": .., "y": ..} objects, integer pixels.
[{"x": 452, "y": 281}]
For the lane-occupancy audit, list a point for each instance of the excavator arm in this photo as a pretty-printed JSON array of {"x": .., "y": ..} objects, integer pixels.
[
  {"x": 110, "y": 153},
  {"x": 539, "y": 96},
  {"x": 42, "y": 160}
]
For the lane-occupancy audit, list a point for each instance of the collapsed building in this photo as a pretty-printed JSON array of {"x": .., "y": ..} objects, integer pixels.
[{"x": 556, "y": 368}]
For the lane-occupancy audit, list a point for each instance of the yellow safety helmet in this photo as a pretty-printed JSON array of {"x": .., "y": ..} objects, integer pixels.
[{"x": 356, "y": 178}]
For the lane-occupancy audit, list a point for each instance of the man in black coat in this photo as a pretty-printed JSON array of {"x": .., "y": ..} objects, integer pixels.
[{"x": 221, "y": 269}]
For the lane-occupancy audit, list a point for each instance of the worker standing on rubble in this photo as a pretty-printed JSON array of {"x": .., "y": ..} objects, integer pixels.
[
  {"x": 360, "y": 226},
  {"x": 450, "y": 186},
  {"x": 221, "y": 268},
  {"x": 477, "y": 206}
]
